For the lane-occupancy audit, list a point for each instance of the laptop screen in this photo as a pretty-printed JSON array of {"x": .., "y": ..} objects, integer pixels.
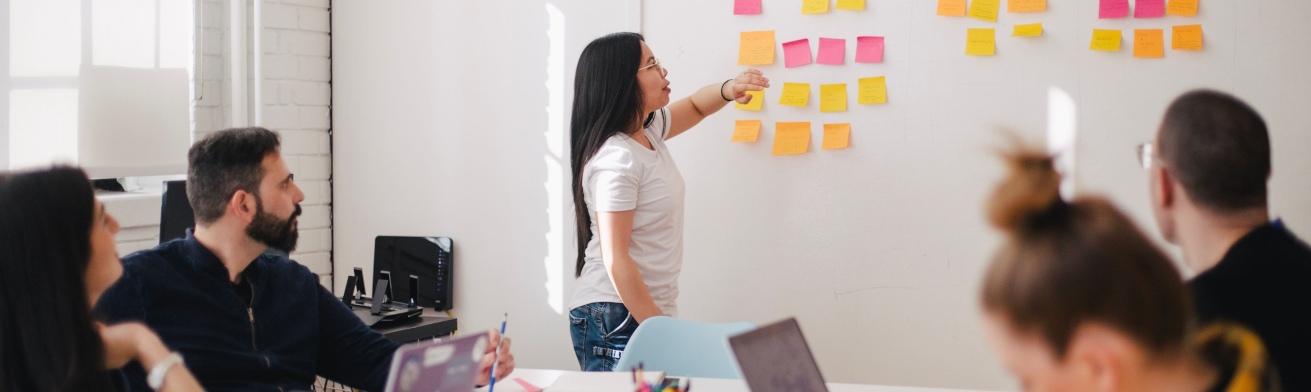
[{"x": 776, "y": 358}]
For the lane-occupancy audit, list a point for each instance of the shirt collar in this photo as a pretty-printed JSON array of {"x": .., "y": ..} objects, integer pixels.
[{"x": 209, "y": 263}]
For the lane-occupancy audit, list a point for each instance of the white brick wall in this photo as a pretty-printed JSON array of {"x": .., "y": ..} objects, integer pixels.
[{"x": 296, "y": 103}]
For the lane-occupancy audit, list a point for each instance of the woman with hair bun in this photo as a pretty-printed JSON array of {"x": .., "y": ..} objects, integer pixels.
[{"x": 1077, "y": 299}]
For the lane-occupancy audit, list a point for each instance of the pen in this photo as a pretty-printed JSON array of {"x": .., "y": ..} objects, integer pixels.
[{"x": 497, "y": 354}]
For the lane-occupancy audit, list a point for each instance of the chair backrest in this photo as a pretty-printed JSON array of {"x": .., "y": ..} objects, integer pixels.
[
  {"x": 683, "y": 348},
  {"x": 176, "y": 215}
]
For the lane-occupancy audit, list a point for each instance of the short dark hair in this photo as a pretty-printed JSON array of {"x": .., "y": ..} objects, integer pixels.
[
  {"x": 1218, "y": 148},
  {"x": 223, "y": 163}
]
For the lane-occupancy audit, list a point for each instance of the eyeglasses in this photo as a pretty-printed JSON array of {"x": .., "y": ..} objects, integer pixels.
[
  {"x": 1146, "y": 155},
  {"x": 658, "y": 67}
]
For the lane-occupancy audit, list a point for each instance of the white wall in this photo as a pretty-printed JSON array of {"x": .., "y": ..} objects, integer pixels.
[{"x": 444, "y": 127}]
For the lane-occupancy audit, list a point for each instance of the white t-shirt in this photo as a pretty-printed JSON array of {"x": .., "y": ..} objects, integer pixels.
[{"x": 624, "y": 175}]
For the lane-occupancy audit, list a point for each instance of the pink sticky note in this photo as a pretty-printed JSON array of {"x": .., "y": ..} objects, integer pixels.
[
  {"x": 1149, "y": 9},
  {"x": 797, "y": 53},
  {"x": 1114, "y": 9},
  {"x": 869, "y": 49},
  {"x": 746, "y": 7},
  {"x": 832, "y": 51},
  {"x": 526, "y": 386}
]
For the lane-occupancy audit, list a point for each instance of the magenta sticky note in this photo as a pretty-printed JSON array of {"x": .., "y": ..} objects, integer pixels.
[
  {"x": 796, "y": 53},
  {"x": 869, "y": 49},
  {"x": 831, "y": 51},
  {"x": 746, "y": 7},
  {"x": 1113, "y": 9},
  {"x": 1149, "y": 9}
]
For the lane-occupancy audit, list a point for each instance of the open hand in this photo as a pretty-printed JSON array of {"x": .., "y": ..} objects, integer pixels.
[{"x": 750, "y": 80}]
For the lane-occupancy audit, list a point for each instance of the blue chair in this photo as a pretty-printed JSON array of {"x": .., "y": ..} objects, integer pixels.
[{"x": 683, "y": 348}]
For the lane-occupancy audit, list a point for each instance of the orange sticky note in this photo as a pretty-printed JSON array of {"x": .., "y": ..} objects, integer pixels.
[
  {"x": 791, "y": 138},
  {"x": 951, "y": 7},
  {"x": 851, "y": 5},
  {"x": 985, "y": 9},
  {"x": 756, "y": 48},
  {"x": 757, "y": 100},
  {"x": 981, "y": 42},
  {"x": 1186, "y": 37},
  {"x": 836, "y": 136},
  {"x": 795, "y": 94},
  {"x": 746, "y": 131},
  {"x": 1026, "y": 5},
  {"x": 1181, "y": 7},
  {"x": 1148, "y": 43},
  {"x": 872, "y": 91},
  {"x": 1107, "y": 40},
  {"x": 833, "y": 97},
  {"x": 814, "y": 6},
  {"x": 1028, "y": 30}
]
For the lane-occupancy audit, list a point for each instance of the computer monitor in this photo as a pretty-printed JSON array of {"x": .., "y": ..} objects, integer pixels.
[
  {"x": 429, "y": 259},
  {"x": 176, "y": 215}
]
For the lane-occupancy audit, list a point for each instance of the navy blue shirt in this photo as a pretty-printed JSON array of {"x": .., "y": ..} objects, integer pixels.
[
  {"x": 292, "y": 329},
  {"x": 1264, "y": 283}
]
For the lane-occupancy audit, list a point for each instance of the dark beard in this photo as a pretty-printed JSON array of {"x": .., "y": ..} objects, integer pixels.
[{"x": 277, "y": 234}]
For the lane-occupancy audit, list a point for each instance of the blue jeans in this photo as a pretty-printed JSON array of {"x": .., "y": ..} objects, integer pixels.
[{"x": 600, "y": 332}]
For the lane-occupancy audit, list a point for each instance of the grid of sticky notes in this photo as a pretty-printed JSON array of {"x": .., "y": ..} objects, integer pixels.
[{"x": 1147, "y": 42}]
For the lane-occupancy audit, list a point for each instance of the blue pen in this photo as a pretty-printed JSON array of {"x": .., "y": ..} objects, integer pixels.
[{"x": 497, "y": 355}]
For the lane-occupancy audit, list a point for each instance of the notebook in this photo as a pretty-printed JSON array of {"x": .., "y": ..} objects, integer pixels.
[
  {"x": 446, "y": 366},
  {"x": 776, "y": 358}
]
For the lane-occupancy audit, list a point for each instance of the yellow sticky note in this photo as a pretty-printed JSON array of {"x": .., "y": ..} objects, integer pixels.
[
  {"x": 1148, "y": 43},
  {"x": 985, "y": 9},
  {"x": 814, "y": 6},
  {"x": 1026, "y": 5},
  {"x": 1181, "y": 7},
  {"x": 746, "y": 131},
  {"x": 756, "y": 48},
  {"x": 791, "y": 138},
  {"x": 1108, "y": 40},
  {"x": 951, "y": 7},
  {"x": 836, "y": 136},
  {"x": 981, "y": 42},
  {"x": 833, "y": 97},
  {"x": 872, "y": 90},
  {"x": 757, "y": 100},
  {"x": 1186, "y": 37},
  {"x": 795, "y": 94},
  {"x": 1028, "y": 30},
  {"x": 851, "y": 5}
]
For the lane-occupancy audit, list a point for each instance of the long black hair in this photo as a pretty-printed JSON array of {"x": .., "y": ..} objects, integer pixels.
[
  {"x": 607, "y": 101},
  {"x": 47, "y": 339}
]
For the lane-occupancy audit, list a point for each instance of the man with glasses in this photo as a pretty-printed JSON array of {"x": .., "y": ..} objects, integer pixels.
[{"x": 1209, "y": 165}]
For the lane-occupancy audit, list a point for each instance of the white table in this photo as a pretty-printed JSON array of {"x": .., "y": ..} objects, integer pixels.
[{"x": 544, "y": 379}]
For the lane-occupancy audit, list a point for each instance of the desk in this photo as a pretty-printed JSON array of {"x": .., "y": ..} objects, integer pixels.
[
  {"x": 544, "y": 379},
  {"x": 413, "y": 330}
]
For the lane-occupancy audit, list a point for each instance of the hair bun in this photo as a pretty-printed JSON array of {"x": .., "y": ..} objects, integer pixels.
[{"x": 1031, "y": 189}]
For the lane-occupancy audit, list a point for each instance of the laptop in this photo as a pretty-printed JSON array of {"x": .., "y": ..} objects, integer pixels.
[
  {"x": 445, "y": 366},
  {"x": 776, "y": 358}
]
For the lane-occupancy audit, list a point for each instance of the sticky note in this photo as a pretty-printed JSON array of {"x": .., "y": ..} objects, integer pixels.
[
  {"x": 1108, "y": 40},
  {"x": 951, "y": 7},
  {"x": 1149, "y": 9},
  {"x": 831, "y": 51},
  {"x": 791, "y": 138},
  {"x": 795, "y": 94},
  {"x": 869, "y": 49},
  {"x": 1112, "y": 9},
  {"x": 1026, "y": 5},
  {"x": 851, "y": 5},
  {"x": 746, "y": 131},
  {"x": 757, "y": 100},
  {"x": 985, "y": 9},
  {"x": 981, "y": 42},
  {"x": 1028, "y": 30},
  {"x": 872, "y": 90},
  {"x": 814, "y": 6},
  {"x": 746, "y": 7},
  {"x": 833, "y": 97},
  {"x": 836, "y": 136},
  {"x": 756, "y": 48},
  {"x": 1148, "y": 43},
  {"x": 796, "y": 53},
  {"x": 1182, "y": 7},
  {"x": 1186, "y": 37}
]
